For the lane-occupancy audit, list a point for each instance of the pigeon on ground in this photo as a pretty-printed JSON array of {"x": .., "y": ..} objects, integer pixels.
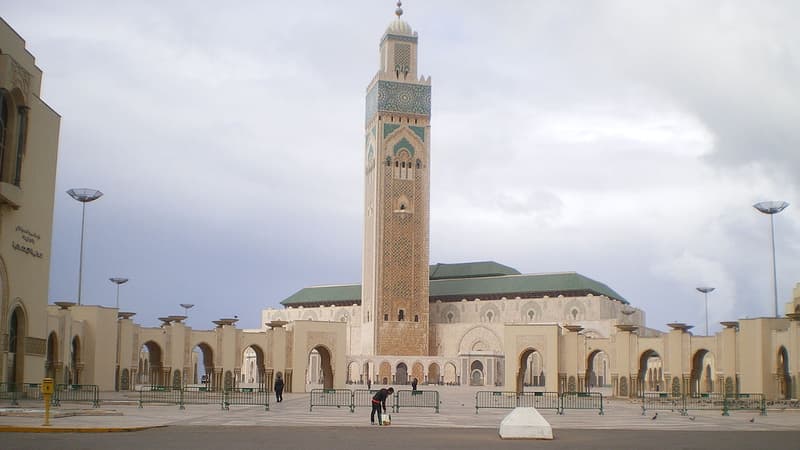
[
  {"x": 752, "y": 420},
  {"x": 692, "y": 418},
  {"x": 654, "y": 417}
]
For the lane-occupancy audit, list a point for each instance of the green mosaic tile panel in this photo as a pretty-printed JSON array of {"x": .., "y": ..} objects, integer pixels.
[
  {"x": 419, "y": 131},
  {"x": 403, "y": 145},
  {"x": 388, "y": 128}
]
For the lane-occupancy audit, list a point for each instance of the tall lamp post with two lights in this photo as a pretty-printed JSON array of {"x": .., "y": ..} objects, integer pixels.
[
  {"x": 84, "y": 196},
  {"x": 705, "y": 290},
  {"x": 771, "y": 208},
  {"x": 118, "y": 281}
]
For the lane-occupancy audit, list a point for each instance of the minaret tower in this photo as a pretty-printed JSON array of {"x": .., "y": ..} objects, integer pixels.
[{"x": 394, "y": 294}]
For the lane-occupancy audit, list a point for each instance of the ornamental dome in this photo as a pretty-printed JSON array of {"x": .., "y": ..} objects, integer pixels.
[{"x": 398, "y": 25}]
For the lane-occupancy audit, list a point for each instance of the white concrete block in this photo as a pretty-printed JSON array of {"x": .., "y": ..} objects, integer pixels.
[{"x": 525, "y": 423}]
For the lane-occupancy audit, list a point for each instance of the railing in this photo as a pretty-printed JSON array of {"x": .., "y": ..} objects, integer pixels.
[
  {"x": 510, "y": 399},
  {"x": 703, "y": 402},
  {"x": 707, "y": 402},
  {"x": 416, "y": 399},
  {"x": 77, "y": 393},
  {"x": 160, "y": 394},
  {"x": 363, "y": 398},
  {"x": 194, "y": 395},
  {"x": 539, "y": 400},
  {"x": 20, "y": 391},
  {"x": 331, "y": 397},
  {"x": 744, "y": 402},
  {"x": 582, "y": 400},
  {"x": 783, "y": 404},
  {"x": 661, "y": 401},
  {"x": 245, "y": 396}
]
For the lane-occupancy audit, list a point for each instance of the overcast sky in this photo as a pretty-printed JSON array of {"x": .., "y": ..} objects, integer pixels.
[{"x": 624, "y": 140}]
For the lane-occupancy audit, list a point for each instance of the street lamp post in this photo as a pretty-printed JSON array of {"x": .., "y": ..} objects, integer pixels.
[
  {"x": 771, "y": 208},
  {"x": 118, "y": 281},
  {"x": 84, "y": 196},
  {"x": 186, "y": 307},
  {"x": 705, "y": 290}
]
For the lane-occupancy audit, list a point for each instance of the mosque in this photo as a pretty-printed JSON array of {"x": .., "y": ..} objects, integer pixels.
[{"x": 469, "y": 323}]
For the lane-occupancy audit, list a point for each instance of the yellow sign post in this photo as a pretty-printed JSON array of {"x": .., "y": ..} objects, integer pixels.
[{"x": 47, "y": 393}]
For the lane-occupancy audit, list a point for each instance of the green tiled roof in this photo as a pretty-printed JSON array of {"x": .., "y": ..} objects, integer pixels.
[
  {"x": 470, "y": 270},
  {"x": 468, "y": 282},
  {"x": 325, "y": 295}
]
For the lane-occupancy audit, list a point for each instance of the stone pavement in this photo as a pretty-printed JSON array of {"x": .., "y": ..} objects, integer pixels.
[{"x": 457, "y": 410}]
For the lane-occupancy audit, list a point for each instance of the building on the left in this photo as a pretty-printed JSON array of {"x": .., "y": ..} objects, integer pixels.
[{"x": 28, "y": 152}]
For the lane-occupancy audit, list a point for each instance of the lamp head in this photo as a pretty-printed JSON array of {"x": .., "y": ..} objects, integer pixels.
[
  {"x": 118, "y": 280},
  {"x": 84, "y": 195},
  {"x": 705, "y": 289},
  {"x": 771, "y": 207}
]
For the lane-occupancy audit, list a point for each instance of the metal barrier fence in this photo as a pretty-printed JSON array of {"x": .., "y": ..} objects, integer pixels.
[
  {"x": 704, "y": 402},
  {"x": 77, "y": 393},
  {"x": 540, "y": 400},
  {"x": 582, "y": 400},
  {"x": 510, "y": 399},
  {"x": 363, "y": 398},
  {"x": 331, "y": 397},
  {"x": 194, "y": 395},
  {"x": 416, "y": 399},
  {"x": 744, "y": 402},
  {"x": 245, "y": 396},
  {"x": 160, "y": 394},
  {"x": 20, "y": 391},
  {"x": 661, "y": 401}
]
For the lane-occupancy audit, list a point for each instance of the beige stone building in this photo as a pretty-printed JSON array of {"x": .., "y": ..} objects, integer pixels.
[
  {"x": 477, "y": 323},
  {"x": 28, "y": 152}
]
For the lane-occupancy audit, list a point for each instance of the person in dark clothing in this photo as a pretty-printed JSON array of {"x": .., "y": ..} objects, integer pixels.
[
  {"x": 414, "y": 384},
  {"x": 279, "y": 387},
  {"x": 369, "y": 383},
  {"x": 378, "y": 401}
]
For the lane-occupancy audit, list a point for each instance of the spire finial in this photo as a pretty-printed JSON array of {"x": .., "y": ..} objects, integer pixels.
[{"x": 399, "y": 10}]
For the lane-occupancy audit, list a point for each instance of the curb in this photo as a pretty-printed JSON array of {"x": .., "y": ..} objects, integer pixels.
[{"x": 43, "y": 429}]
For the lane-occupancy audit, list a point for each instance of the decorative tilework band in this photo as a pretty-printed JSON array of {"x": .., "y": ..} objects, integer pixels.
[{"x": 391, "y": 96}]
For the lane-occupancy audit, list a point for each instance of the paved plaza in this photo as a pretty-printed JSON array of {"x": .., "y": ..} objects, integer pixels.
[{"x": 457, "y": 410}]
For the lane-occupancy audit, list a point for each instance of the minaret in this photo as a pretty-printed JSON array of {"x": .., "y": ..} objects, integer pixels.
[{"x": 394, "y": 294}]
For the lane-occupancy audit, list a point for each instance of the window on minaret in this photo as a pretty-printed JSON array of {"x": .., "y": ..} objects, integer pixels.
[
  {"x": 416, "y": 318},
  {"x": 385, "y": 317},
  {"x": 401, "y": 315}
]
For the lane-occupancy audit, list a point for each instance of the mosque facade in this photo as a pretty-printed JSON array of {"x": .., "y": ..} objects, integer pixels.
[{"x": 472, "y": 323}]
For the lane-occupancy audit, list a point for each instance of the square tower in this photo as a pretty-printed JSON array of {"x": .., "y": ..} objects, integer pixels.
[{"x": 394, "y": 295}]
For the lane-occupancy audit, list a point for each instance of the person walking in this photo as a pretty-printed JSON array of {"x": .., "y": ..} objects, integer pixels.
[
  {"x": 279, "y": 387},
  {"x": 369, "y": 384},
  {"x": 414, "y": 384},
  {"x": 378, "y": 401}
]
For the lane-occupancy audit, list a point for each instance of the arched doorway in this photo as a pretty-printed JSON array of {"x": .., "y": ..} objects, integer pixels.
[
  {"x": 385, "y": 373},
  {"x": 401, "y": 373},
  {"x": 530, "y": 369},
  {"x": 702, "y": 372},
  {"x": 17, "y": 329},
  {"x": 596, "y": 366},
  {"x": 784, "y": 378},
  {"x": 450, "y": 374},
  {"x": 151, "y": 364},
  {"x": 75, "y": 350},
  {"x": 651, "y": 373},
  {"x": 325, "y": 374},
  {"x": 352, "y": 373},
  {"x": 418, "y": 372},
  {"x": 203, "y": 355},
  {"x": 476, "y": 373},
  {"x": 52, "y": 356},
  {"x": 253, "y": 372},
  {"x": 433, "y": 373}
]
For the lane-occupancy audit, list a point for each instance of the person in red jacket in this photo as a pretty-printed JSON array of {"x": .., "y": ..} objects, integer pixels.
[{"x": 378, "y": 401}]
